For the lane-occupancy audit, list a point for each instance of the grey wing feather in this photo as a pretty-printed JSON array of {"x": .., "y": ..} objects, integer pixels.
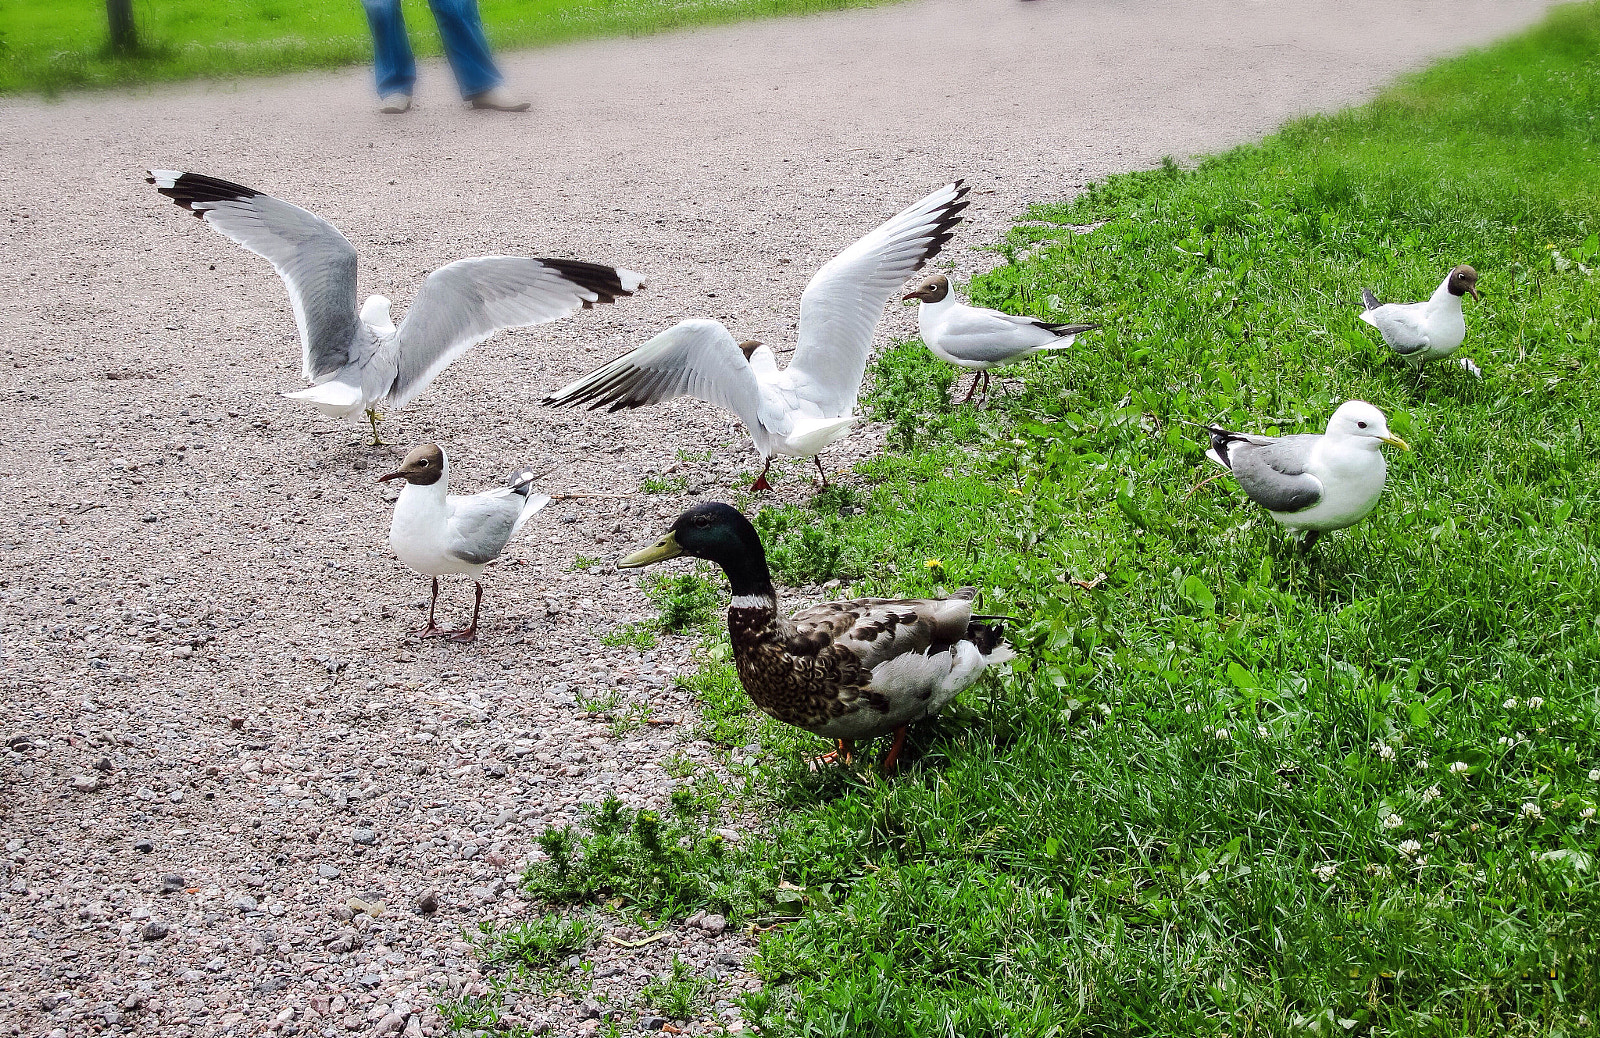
[
  {"x": 481, "y": 525},
  {"x": 1400, "y": 325},
  {"x": 463, "y": 303},
  {"x": 695, "y": 358},
  {"x": 843, "y": 302},
  {"x": 1272, "y": 471},
  {"x": 315, "y": 261}
]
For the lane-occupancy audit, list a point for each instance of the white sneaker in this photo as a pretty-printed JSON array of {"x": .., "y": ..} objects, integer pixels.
[
  {"x": 496, "y": 99},
  {"x": 394, "y": 104}
]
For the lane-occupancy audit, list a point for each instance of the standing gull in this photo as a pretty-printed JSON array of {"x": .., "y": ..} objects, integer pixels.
[
  {"x": 1310, "y": 482},
  {"x": 438, "y": 533},
  {"x": 1431, "y": 330},
  {"x": 803, "y": 408},
  {"x": 356, "y": 360},
  {"x": 977, "y": 338}
]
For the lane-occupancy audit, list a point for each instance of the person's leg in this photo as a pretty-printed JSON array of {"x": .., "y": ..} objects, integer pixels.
[
  {"x": 393, "y": 66},
  {"x": 461, "y": 29}
]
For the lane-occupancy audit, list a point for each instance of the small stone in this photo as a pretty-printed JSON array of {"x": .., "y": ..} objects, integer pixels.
[
  {"x": 369, "y": 980},
  {"x": 428, "y": 903},
  {"x": 343, "y": 944},
  {"x": 143, "y": 846},
  {"x": 366, "y": 837},
  {"x": 714, "y": 924},
  {"x": 236, "y": 723},
  {"x": 172, "y": 883},
  {"x": 271, "y": 984},
  {"x": 103, "y": 764},
  {"x": 245, "y": 903},
  {"x": 154, "y": 930},
  {"x": 470, "y": 850},
  {"x": 85, "y": 783},
  {"x": 652, "y": 1023},
  {"x": 327, "y": 871},
  {"x": 589, "y": 1009},
  {"x": 389, "y": 1024},
  {"x": 374, "y": 909}
]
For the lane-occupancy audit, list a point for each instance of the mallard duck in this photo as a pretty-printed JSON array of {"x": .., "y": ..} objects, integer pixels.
[
  {"x": 1310, "y": 482},
  {"x": 842, "y": 670}
]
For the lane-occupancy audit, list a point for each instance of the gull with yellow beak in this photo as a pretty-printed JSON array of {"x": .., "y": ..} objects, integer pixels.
[{"x": 1309, "y": 482}]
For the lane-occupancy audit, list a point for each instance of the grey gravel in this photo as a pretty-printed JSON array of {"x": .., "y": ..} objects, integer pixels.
[{"x": 194, "y": 584}]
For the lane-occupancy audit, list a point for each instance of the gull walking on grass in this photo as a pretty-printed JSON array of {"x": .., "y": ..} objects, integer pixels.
[
  {"x": 977, "y": 338},
  {"x": 799, "y": 410},
  {"x": 1309, "y": 482},
  {"x": 1430, "y": 330},
  {"x": 356, "y": 359},
  {"x": 438, "y": 533}
]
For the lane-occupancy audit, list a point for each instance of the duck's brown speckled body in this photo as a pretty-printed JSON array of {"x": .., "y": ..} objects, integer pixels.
[{"x": 843, "y": 670}]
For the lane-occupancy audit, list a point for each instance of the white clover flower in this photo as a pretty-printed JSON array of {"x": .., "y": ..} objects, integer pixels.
[
  {"x": 1459, "y": 768},
  {"x": 1410, "y": 847},
  {"x": 1325, "y": 871},
  {"x": 1422, "y": 859},
  {"x": 1503, "y": 741},
  {"x": 1188, "y": 708},
  {"x": 1535, "y": 702},
  {"x": 1222, "y": 734},
  {"x": 1431, "y": 794},
  {"x": 1261, "y": 731},
  {"x": 1422, "y": 765},
  {"x": 1531, "y": 810},
  {"x": 1594, "y": 776},
  {"x": 1393, "y": 821},
  {"x": 1105, "y": 711},
  {"x": 1586, "y": 814},
  {"x": 1510, "y": 704},
  {"x": 1378, "y": 870},
  {"x": 1386, "y": 751}
]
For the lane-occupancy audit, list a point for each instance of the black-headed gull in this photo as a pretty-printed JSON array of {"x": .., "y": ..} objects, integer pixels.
[
  {"x": 799, "y": 410},
  {"x": 438, "y": 533},
  {"x": 1430, "y": 330},
  {"x": 977, "y": 338},
  {"x": 1310, "y": 482},
  {"x": 357, "y": 359}
]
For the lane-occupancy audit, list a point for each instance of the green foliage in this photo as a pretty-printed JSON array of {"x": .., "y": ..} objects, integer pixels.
[
  {"x": 1230, "y": 788},
  {"x": 640, "y": 636},
  {"x": 63, "y": 46},
  {"x": 687, "y": 600},
  {"x": 679, "y": 994},
  {"x": 533, "y": 943}
]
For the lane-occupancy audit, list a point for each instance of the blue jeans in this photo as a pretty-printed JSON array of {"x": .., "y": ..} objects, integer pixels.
[{"x": 464, "y": 44}]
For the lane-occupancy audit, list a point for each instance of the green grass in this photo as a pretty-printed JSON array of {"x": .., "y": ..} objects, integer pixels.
[
  {"x": 54, "y": 46},
  {"x": 1228, "y": 789}
]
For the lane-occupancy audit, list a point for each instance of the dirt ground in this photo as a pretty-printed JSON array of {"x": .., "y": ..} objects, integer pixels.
[{"x": 216, "y": 733}]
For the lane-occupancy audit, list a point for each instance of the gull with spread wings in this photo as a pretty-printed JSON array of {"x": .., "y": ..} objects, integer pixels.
[
  {"x": 356, "y": 359},
  {"x": 801, "y": 409}
]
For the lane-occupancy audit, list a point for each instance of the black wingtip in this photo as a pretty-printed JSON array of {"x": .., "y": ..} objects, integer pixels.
[
  {"x": 1370, "y": 299},
  {"x": 949, "y": 217},
  {"x": 1220, "y": 440},
  {"x": 605, "y": 282},
  {"x": 191, "y": 189}
]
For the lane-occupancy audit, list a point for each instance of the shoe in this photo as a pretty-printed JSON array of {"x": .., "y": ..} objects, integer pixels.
[
  {"x": 394, "y": 104},
  {"x": 496, "y": 99}
]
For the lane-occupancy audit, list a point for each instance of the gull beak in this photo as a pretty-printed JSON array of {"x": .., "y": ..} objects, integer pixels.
[
  {"x": 1397, "y": 441},
  {"x": 1475, "y": 294},
  {"x": 909, "y": 296},
  {"x": 662, "y": 550},
  {"x": 387, "y": 476}
]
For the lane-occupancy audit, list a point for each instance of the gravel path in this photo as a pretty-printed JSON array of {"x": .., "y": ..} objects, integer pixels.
[{"x": 216, "y": 735}]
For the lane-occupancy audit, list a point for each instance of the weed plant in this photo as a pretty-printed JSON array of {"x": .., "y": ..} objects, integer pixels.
[{"x": 1229, "y": 788}]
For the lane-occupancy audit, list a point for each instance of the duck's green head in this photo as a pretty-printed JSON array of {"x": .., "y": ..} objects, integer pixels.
[{"x": 717, "y": 533}]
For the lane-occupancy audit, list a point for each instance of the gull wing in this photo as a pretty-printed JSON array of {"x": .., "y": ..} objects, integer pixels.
[
  {"x": 315, "y": 261},
  {"x": 1401, "y": 325},
  {"x": 844, "y": 300},
  {"x": 480, "y": 525},
  {"x": 463, "y": 303},
  {"x": 695, "y": 358},
  {"x": 1271, "y": 470}
]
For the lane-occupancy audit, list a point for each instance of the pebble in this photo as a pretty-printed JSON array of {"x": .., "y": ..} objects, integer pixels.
[
  {"x": 173, "y": 883},
  {"x": 428, "y": 903},
  {"x": 154, "y": 930}
]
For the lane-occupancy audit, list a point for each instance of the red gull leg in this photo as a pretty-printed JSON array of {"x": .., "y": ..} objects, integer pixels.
[
  {"x": 432, "y": 630},
  {"x": 761, "y": 481},
  {"x": 470, "y": 632},
  {"x": 893, "y": 756}
]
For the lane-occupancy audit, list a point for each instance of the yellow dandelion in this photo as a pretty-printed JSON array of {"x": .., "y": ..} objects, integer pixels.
[{"x": 934, "y": 564}]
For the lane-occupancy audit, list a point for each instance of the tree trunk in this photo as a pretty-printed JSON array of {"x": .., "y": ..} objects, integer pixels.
[{"x": 119, "y": 14}]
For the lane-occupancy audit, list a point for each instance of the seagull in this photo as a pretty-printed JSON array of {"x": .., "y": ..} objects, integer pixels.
[
  {"x": 1309, "y": 482},
  {"x": 799, "y": 410},
  {"x": 438, "y": 533},
  {"x": 1421, "y": 332},
  {"x": 977, "y": 338},
  {"x": 357, "y": 359}
]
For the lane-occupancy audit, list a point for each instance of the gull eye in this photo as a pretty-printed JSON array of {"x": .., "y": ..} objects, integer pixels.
[{"x": 1361, "y": 425}]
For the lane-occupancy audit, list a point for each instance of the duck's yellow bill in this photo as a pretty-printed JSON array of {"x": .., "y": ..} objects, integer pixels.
[
  {"x": 662, "y": 550},
  {"x": 1397, "y": 441}
]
